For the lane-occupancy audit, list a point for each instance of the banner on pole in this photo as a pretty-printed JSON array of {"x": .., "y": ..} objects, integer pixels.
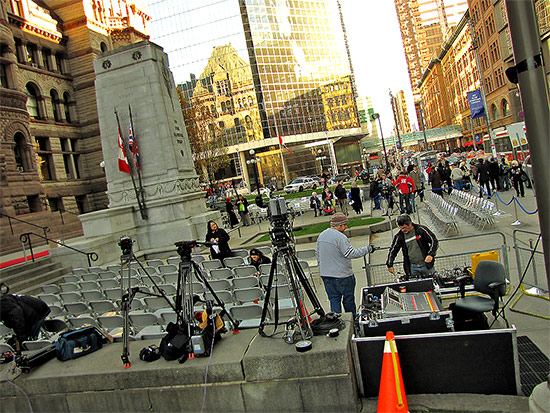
[{"x": 475, "y": 100}]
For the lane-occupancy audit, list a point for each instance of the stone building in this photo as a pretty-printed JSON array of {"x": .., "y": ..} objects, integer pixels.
[{"x": 50, "y": 148}]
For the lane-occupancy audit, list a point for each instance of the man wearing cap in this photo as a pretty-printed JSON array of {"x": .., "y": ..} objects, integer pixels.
[
  {"x": 334, "y": 254},
  {"x": 417, "y": 244}
]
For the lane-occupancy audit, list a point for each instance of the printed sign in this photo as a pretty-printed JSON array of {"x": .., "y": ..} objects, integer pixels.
[{"x": 476, "y": 104}]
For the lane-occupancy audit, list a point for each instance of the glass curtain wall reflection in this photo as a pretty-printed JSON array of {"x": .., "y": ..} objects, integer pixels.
[{"x": 250, "y": 71}]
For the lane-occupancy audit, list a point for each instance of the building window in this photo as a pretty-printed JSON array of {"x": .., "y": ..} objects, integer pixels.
[
  {"x": 55, "y": 105},
  {"x": 35, "y": 205},
  {"x": 4, "y": 75},
  {"x": 494, "y": 112},
  {"x": 45, "y": 158},
  {"x": 103, "y": 47},
  {"x": 71, "y": 158},
  {"x": 81, "y": 203},
  {"x": 21, "y": 153},
  {"x": 56, "y": 204},
  {"x": 46, "y": 59},
  {"x": 31, "y": 54},
  {"x": 505, "y": 108},
  {"x": 59, "y": 63},
  {"x": 33, "y": 106}
]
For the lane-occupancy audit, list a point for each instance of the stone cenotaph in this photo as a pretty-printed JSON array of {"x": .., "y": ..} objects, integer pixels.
[{"x": 137, "y": 78}]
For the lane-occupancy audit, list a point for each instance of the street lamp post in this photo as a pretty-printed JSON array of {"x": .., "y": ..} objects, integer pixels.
[
  {"x": 422, "y": 123},
  {"x": 320, "y": 159},
  {"x": 377, "y": 116},
  {"x": 254, "y": 161}
]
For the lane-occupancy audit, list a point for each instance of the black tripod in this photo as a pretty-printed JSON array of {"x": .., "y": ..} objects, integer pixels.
[
  {"x": 185, "y": 299},
  {"x": 129, "y": 292},
  {"x": 295, "y": 277}
]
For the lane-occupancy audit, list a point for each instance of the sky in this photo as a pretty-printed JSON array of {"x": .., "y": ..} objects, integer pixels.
[{"x": 377, "y": 55}]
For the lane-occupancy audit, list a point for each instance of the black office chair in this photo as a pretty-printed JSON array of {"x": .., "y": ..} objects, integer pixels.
[{"x": 489, "y": 279}]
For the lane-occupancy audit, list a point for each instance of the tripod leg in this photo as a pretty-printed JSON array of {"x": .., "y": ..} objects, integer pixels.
[
  {"x": 125, "y": 304},
  {"x": 306, "y": 285},
  {"x": 268, "y": 293}
]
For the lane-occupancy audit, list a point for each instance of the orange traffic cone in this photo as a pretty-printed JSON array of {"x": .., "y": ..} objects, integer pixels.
[{"x": 391, "y": 397}]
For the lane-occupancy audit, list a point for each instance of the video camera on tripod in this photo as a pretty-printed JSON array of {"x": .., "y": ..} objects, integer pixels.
[
  {"x": 185, "y": 247},
  {"x": 280, "y": 218},
  {"x": 280, "y": 233}
]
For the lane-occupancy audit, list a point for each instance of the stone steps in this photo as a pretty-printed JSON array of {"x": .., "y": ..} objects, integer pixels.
[{"x": 28, "y": 277}]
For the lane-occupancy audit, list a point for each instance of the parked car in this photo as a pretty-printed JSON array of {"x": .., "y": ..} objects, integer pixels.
[
  {"x": 317, "y": 181},
  {"x": 299, "y": 184},
  {"x": 344, "y": 177}
]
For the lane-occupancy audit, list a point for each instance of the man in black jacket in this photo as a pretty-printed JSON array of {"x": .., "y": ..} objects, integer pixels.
[
  {"x": 483, "y": 177},
  {"x": 418, "y": 245},
  {"x": 24, "y": 315},
  {"x": 341, "y": 196}
]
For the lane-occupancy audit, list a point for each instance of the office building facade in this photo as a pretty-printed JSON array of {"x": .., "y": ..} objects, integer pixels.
[{"x": 274, "y": 77}]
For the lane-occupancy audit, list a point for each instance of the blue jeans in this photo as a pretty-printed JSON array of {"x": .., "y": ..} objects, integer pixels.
[
  {"x": 377, "y": 200},
  {"x": 338, "y": 290},
  {"x": 421, "y": 271},
  {"x": 35, "y": 329},
  {"x": 405, "y": 203}
]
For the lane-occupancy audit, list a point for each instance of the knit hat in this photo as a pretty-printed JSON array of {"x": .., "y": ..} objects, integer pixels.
[{"x": 338, "y": 219}]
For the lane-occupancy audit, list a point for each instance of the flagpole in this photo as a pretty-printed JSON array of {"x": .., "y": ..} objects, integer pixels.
[
  {"x": 135, "y": 162},
  {"x": 279, "y": 137},
  {"x": 143, "y": 215}
]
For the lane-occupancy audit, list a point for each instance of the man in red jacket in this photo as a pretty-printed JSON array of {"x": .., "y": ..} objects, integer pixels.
[{"x": 405, "y": 187}]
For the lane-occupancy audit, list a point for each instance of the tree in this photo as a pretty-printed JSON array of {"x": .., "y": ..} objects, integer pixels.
[{"x": 207, "y": 139}]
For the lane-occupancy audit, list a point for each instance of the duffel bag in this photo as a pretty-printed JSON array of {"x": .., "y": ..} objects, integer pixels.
[{"x": 78, "y": 343}]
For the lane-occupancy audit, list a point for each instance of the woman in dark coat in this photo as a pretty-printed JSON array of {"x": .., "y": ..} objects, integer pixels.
[
  {"x": 435, "y": 179},
  {"x": 516, "y": 172},
  {"x": 220, "y": 239},
  {"x": 355, "y": 196},
  {"x": 233, "y": 220},
  {"x": 257, "y": 258}
]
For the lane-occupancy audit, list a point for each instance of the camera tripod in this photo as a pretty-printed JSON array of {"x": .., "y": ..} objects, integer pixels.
[
  {"x": 295, "y": 277},
  {"x": 128, "y": 293},
  {"x": 185, "y": 299}
]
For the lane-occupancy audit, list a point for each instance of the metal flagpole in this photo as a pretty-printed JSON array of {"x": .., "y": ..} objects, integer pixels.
[
  {"x": 137, "y": 166},
  {"x": 141, "y": 210},
  {"x": 280, "y": 149}
]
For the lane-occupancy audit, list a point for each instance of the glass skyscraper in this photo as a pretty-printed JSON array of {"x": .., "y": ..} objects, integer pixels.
[{"x": 251, "y": 71}]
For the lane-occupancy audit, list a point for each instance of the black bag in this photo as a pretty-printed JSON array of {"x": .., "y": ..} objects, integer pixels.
[
  {"x": 323, "y": 325},
  {"x": 78, "y": 343},
  {"x": 150, "y": 353},
  {"x": 176, "y": 343},
  {"x": 524, "y": 177}
]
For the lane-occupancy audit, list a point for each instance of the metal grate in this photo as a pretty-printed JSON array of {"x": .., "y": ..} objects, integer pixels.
[{"x": 534, "y": 366}]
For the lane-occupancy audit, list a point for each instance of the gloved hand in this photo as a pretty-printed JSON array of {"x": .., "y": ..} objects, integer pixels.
[{"x": 373, "y": 248}]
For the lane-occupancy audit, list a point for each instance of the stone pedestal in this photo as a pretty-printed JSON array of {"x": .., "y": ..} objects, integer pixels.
[{"x": 136, "y": 79}]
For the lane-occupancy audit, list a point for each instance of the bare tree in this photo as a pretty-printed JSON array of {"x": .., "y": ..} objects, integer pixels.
[{"x": 208, "y": 141}]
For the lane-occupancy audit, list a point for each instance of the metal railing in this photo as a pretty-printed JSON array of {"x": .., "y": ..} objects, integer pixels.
[
  {"x": 26, "y": 237},
  {"x": 377, "y": 273},
  {"x": 44, "y": 229},
  {"x": 530, "y": 263}
]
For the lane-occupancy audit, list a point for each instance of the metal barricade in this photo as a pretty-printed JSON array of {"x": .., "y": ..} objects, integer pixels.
[
  {"x": 531, "y": 268},
  {"x": 377, "y": 272}
]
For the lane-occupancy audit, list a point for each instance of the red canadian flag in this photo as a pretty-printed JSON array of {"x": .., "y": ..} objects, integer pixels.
[
  {"x": 122, "y": 159},
  {"x": 283, "y": 145}
]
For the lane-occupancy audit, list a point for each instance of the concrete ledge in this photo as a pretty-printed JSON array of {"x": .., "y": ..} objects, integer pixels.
[{"x": 246, "y": 373}]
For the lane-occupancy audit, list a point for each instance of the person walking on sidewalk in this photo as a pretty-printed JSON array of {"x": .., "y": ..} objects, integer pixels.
[
  {"x": 417, "y": 244},
  {"x": 355, "y": 198},
  {"x": 334, "y": 254},
  {"x": 517, "y": 178},
  {"x": 405, "y": 187},
  {"x": 315, "y": 203},
  {"x": 341, "y": 196}
]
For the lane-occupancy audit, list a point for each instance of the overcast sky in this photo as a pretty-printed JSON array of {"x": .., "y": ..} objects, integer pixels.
[{"x": 377, "y": 55}]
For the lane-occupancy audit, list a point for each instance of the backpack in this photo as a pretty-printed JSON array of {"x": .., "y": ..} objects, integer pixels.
[{"x": 175, "y": 344}]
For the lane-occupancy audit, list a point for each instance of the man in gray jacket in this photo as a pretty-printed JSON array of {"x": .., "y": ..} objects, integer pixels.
[{"x": 334, "y": 254}]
